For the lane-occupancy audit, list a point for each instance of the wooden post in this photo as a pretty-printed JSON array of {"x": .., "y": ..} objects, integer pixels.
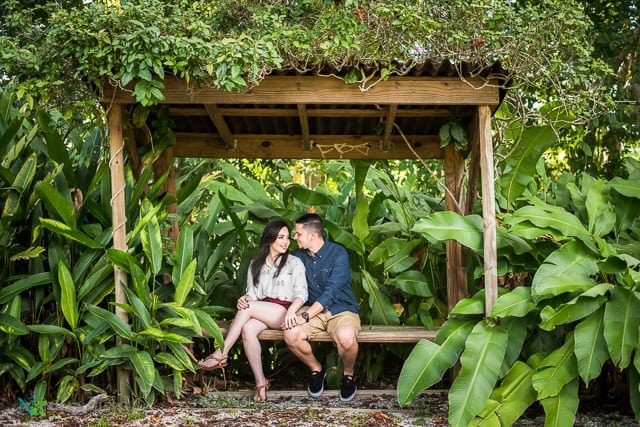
[
  {"x": 488, "y": 208},
  {"x": 119, "y": 220},
  {"x": 456, "y": 270}
]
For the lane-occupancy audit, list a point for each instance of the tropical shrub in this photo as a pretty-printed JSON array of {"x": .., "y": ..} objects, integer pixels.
[{"x": 577, "y": 312}]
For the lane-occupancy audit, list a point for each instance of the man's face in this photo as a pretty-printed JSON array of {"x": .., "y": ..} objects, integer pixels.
[{"x": 303, "y": 237}]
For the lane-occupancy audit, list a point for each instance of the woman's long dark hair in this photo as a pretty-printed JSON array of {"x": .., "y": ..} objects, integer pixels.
[{"x": 269, "y": 235}]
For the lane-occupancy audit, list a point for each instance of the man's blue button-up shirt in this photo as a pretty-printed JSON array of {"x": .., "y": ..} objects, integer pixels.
[{"x": 329, "y": 278}]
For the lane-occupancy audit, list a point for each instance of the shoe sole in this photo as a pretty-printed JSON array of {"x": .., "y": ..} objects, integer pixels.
[
  {"x": 319, "y": 392},
  {"x": 348, "y": 398}
]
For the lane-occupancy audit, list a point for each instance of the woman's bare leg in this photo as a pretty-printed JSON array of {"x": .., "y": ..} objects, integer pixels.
[{"x": 268, "y": 313}]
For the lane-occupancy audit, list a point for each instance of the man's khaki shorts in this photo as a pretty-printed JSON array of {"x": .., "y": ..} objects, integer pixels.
[{"x": 330, "y": 323}]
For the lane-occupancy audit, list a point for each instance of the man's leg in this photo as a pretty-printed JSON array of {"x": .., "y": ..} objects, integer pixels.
[{"x": 297, "y": 339}]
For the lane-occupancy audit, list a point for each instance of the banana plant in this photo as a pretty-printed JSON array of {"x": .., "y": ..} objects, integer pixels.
[{"x": 545, "y": 338}]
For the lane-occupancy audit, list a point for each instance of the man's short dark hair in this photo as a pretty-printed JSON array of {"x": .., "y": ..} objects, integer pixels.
[{"x": 312, "y": 222}]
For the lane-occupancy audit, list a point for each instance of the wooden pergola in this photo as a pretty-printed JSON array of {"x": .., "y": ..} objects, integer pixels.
[
  {"x": 315, "y": 115},
  {"x": 318, "y": 116}
]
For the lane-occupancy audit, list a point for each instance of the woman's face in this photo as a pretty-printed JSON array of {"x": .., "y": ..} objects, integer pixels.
[{"x": 282, "y": 242}]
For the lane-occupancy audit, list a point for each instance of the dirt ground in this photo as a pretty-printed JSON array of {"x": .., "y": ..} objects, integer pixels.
[{"x": 371, "y": 408}]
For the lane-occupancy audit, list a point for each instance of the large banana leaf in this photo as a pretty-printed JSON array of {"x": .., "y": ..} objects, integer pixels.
[
  {"x": 552, "y": 217},
  {"x": 560, "y": 410},
  {"x": 252, "y": 188},
  {"x": 626, "y": 187},
  {"x": 590, "y": 346},
  {"x": 305, "y": 196},
  {"x": 517, "y": 330},
  {"x": 68, "y": 296},
  {"x": 602, "y": 218},
  {"x": 428, "y": 362},
  {"x": 382, "y": 310},
  {"x": 520, "y": 165},
  {"x": 517, "y": 303},
  {"x": 556, "y": 370},
  {"x": 395, "y": 254},
  {"x": 621, "y": 322},
  {"x": 567, "y": 269},
  {"x": 344, "y": 237},
  {"x": 360, "y": 223},
  {"x": 579, "y": 307},
  {"x": 512, "y": 398},
  {"x": 446, "y": 225},
  {"x": 412, "y": 282},
  {"x": 481, "y": 362}
]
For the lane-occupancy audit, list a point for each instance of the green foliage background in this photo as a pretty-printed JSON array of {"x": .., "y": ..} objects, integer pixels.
[{"x": 567, "y": 243}]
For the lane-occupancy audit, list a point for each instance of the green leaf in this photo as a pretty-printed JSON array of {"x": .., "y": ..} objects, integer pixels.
[
  {"x": 12, "y": 326},
  {"x": 170, "y": 360},
  {"x": 512, "y": 398},
  {"x": 470, "y": 306},
  {"x": 56, "y": 146},
  {"x": 481, "y": 362},
  {"x": 151, "y": 238},
  {"x": 590, "y": 346},
  {"x": 185, "y": 285},
  {"x": 412, "y": 282},
  {"x": 621, "y": 322},
  {"x": 209, "y": 325},
  {"x": 251, "y": 187},
  {"x": 516, "y": 303},
  {"x": 144, "y": 369},
  {"x": 68, "y": 296},
  {"x": 184, "y": 252},
  {"x": 447, "y": 225},
  {"x": 70, "y": 233},
  {"x": 556, "y": 370},
  {"x": 161, "y": 335},
  {"x": 626, "y": 187},
  {"x": 520, "y": 165},
  {"x": 601, "y": 216},
  {"x": 428, "y": 362},
  {"x": 56, "y": 203},
  {"x": 305, "y": 196},
  {"x": 51, "y": 329},
  {"x": 560, "y": 410},
  {"x": 577, "y": 308},
  {"x": 139, "y": 309},
  {"x": 553, "y": 217},
  {"x": 7, "y": 293},
  {"x": 117, "y": 324},
  {"x": 566, "y": 270},
  {"x": 18, "y": 187},
  {"x": 382, "y": 311}
]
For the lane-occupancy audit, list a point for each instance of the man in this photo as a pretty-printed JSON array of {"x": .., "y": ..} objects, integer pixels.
[{"x": 331, "y": 306}]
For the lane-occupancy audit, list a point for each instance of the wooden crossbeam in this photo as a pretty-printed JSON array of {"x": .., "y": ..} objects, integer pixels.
[{"x": 289, "y": 147}]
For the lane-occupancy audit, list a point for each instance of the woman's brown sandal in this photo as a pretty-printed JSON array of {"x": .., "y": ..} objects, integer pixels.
[
  {"x": 219, "y": 362},
  {"x": 257, "y": 396}
]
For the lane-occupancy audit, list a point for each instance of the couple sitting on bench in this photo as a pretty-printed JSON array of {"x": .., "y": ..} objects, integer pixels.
[{"x": 278, "y": 284}]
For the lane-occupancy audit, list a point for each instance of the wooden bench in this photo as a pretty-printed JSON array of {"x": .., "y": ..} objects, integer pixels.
[{"x": 368, "y": 334}]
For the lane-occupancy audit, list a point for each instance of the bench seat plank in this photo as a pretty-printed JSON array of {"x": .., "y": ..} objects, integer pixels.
[{"x": 368, "y": 334}]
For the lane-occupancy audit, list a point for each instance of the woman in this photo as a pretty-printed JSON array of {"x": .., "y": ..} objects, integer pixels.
[{"x": 276, "y": 289}]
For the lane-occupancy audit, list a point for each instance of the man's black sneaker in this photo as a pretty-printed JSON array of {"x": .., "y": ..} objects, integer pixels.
[
  {"x": 348, "y": 390},
  {"x": 316, "y": 385}
]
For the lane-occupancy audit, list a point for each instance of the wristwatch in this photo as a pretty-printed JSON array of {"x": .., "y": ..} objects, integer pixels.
[{"x": 305, "y": 316}]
